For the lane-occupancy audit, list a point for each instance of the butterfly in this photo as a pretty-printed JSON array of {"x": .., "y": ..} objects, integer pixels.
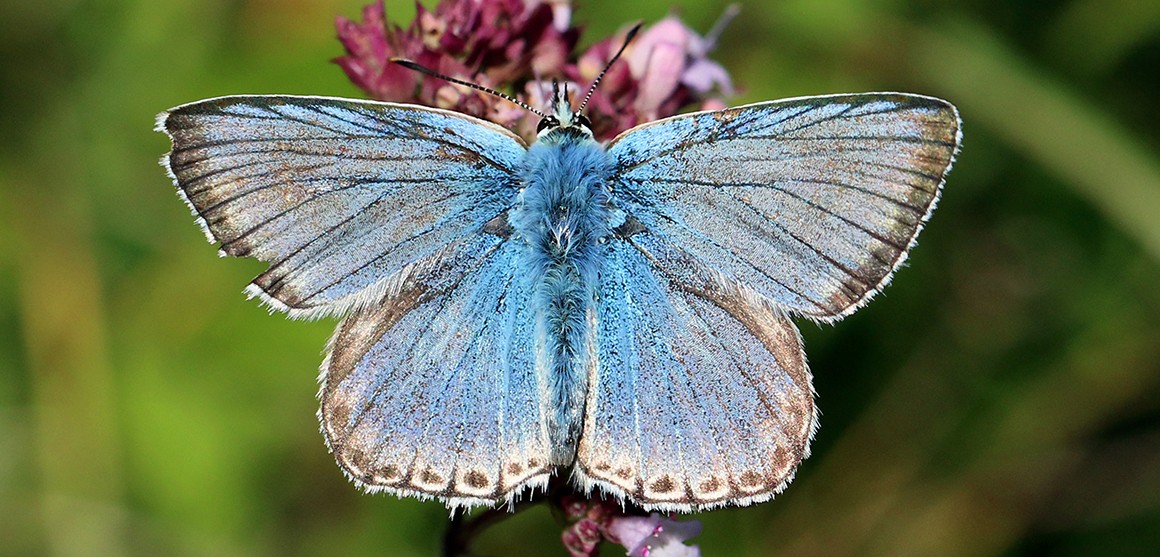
[{"x": 619, "y": 313}]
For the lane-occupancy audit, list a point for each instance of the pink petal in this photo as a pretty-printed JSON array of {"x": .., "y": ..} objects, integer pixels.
[
  {"x": 632, "y": 531},
  {"x": 666, "y": 63},
  {"x": 669, "y": 30},
  {"x": 702, "y": 75}
]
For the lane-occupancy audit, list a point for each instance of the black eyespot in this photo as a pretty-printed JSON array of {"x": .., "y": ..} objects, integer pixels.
[
  {"x": 584, "y": 121},
  {"x": 549, "y": 122}
]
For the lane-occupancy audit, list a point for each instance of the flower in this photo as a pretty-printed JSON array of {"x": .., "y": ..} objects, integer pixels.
[
  {"x": 588, "y": 518},
  {"x": 654, "y": 536},
  {"x": 582, "y": 538},
  {"x": 519, "y": 46},
  {"x": 495, "y": 43},
  {"x": 643, "y": 536},
  {"x": 670, "y": 62}
]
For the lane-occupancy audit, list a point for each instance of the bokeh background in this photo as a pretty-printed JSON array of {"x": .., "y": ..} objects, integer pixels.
[{"x": 1001, "y": 398}]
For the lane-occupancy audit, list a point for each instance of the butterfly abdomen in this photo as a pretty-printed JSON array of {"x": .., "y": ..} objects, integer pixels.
[{"x": 562, "y": 213}]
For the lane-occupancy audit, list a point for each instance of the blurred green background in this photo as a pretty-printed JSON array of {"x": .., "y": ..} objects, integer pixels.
[{"x": 1001, "y": 398}]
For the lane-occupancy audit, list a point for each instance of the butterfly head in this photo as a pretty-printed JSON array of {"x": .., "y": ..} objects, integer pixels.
[{"x": 561, "y": 115}]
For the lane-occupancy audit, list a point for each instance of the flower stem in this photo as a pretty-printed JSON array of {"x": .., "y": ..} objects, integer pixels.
[{"x": 462, "y": 531}]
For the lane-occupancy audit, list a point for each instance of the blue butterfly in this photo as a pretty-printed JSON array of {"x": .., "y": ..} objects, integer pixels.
[{"x": 618, "y": 312}]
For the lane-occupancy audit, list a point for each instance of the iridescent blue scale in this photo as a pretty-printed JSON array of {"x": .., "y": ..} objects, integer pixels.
[{"x": 616, "y": 314}]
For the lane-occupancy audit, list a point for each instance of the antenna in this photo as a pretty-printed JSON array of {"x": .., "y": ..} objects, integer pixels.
[
  {"x": 726, "y": 18},
  {"x": 424, "y": 70},
  {"x": 592, "y": 88}
]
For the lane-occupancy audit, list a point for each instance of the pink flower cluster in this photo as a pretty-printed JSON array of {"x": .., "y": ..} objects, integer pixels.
[
  {"x": 519, "y": 46},
  {"x": 643, "y": 536}
]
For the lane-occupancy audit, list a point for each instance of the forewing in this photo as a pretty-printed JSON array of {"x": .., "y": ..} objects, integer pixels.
[
  {"x": 814, "y": 201},
  {"x": 433, "y": 392},
  {"x": 335, "y": 194},
  {"x": 699, "y": 394}
]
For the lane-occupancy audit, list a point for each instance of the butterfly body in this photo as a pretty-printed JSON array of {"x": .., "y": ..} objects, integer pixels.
[
  {"x": 562, "y": 213},
  {"x": 617, "y": 313}
]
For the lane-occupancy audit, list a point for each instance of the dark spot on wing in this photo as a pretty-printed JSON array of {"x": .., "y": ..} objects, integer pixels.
[
  {"x": 429, "y": 476},
  {"x": 357, "y": 462},
  {"x": 664, "y": 484},
  {"x": 630, "y": 227},
  {"x": 782, "y": 459},
  {"x": 498, "y": 226},
  {"x": 725, "y": 116},
  {"x": 475, "y": 479},
  {"x": 710, "y": 485},
  {"x": 749, "y": 478}
]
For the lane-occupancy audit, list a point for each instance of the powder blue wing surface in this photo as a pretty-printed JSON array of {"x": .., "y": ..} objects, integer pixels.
[
  {"x": 434, "y": 392},
  {"x": 699, "y": 395},
  {"x": 337, "y": 195},
  {"x": 813, "y": 202}
]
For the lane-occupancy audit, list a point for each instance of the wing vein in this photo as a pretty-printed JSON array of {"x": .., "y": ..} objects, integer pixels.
[
  {"x": 833, "y": 262},
  {"x": 773, "y": 185},
  {"x": 740, "y": 260},
  {"x": 371, "y": 261},
  {"x": 321, "y": 253}
]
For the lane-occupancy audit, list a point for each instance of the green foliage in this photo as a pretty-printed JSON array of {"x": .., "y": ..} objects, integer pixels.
[{"x": 1002, "y": 398}]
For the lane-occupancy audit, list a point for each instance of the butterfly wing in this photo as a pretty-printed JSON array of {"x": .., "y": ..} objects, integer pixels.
[
  {"x": 434, "y": 391},
  {"x": 337, "y": 195},
  {"x": 813, "y": 202},
  {"x": 699, "y": 394},
  {"x": 395, "y": 213}
]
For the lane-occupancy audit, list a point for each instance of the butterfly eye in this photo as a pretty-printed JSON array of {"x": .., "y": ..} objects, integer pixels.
[
  {"x": 584, "y": 121},
  {"x": 549, "y": 122}
]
